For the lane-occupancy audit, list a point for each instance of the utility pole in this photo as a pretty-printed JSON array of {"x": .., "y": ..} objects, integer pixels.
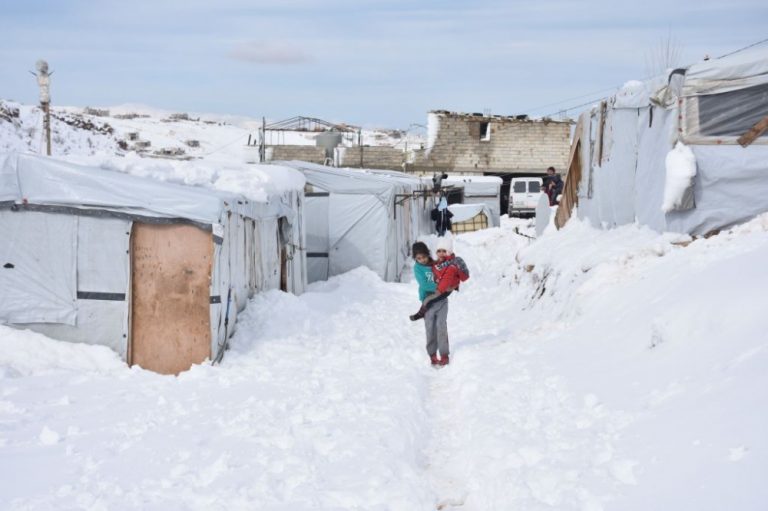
[
  {"x": 360, "y": 143},
  {"x": 44, "y": 82},
  {"x": 263, "y": 141}
]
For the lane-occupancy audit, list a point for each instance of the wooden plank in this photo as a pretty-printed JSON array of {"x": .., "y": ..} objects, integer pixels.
[
  {"x": 601, "y": 134},
  {"x": 570, "y": 197},
  {"x": 170, "y": 285},
  {"x": 753, "y": 133}
]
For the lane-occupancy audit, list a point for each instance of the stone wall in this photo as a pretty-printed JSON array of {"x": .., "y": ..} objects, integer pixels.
[
  {"x": 374, "y": 157},
  {"x": 310, "y": 153},
  {"x": 462, "y": 143}
]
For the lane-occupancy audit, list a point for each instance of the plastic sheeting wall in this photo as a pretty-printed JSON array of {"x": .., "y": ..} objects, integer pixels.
[
  {"x": 248, "y": 261},
  {"x": 60, "y": 255},
  {"x": 38, "y": 262},
  {"x": 98, "y": 251},
  {"x": 318, "y": 241},
  {"x": 730, "y": 185}
]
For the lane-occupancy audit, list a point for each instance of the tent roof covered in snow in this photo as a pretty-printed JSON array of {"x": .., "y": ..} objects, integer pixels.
[
  {"x": 343, "y": 180},
  {"x": 41, "y": 181},
  {"x": 476, "y": 185},
  {"x": 356, "y": 218}
]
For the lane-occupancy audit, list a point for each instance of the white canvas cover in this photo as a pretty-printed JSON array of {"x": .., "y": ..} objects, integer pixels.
[
  {"x": 363, "y": 226},
  {"x": 70, "y": 225},
  {"x": 738, "y": 71},
  {"x": 729, "y": 186},
  {"x": 724, "y": 98},
  {"x": 38, "y": 287}
]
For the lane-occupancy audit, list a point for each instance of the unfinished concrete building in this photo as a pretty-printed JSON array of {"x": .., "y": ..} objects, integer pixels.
[
  {"x": 476, "y": 143},
  {"x": 505, "y": 146},
  {"x": 317, "y": 141}
]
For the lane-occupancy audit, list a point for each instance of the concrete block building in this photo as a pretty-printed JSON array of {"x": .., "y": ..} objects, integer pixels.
[
  {"x": 474, "y": 143},
  {"x": 505, "y": 146}
]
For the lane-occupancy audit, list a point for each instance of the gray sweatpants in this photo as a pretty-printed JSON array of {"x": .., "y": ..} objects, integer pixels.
[{"x": 436, "y": 323}]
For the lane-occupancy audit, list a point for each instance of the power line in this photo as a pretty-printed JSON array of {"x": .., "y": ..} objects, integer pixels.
[
  {"x": 573, "y": 98},
  {"x": 744, "y": 48},
  {"x": 617, "y": 87},
  {"x": 577, "y": 106}
]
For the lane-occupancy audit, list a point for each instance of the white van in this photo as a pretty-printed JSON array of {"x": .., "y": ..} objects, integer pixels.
[{"x": 524, "y": 193}]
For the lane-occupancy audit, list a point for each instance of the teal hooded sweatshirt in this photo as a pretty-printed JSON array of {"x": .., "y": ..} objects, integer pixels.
[{"x": 426, "y": 280}]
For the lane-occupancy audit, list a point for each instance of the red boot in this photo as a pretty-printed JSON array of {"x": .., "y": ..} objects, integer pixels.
[
  {"x": 435, "y": 361},
  {"x": 445, "y": 360}
]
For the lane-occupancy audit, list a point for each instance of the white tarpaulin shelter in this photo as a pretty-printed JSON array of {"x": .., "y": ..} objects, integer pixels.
[
  {"x": 360, "y": 218},
  {"x": 71, "y": 253},
  {"x": 624, "y": 143},
  {"x": 480, "y": 190}
]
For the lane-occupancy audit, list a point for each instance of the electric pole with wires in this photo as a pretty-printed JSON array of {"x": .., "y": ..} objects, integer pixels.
[{"x": 44, "y": 82}]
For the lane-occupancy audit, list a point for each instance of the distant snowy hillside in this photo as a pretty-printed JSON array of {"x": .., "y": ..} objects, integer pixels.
[{"x": 138, "y": 129}]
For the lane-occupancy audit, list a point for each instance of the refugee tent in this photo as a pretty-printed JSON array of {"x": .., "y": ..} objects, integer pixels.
[
  {"x": 480, "y": 190},
  {"x": 682, "y": 153},
  {"x": 422, "y": 199},
  {"x": 357, "y": 218},
  {"x": 156, "y": 271}
]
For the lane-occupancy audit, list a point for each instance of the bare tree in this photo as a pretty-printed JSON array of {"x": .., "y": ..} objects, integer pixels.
[{"x": 664, "y": 55}]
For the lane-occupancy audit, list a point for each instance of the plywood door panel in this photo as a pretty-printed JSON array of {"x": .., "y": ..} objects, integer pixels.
[{"x": 170, "y": 303}]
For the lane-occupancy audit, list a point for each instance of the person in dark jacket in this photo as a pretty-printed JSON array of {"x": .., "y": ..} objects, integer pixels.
[
  {"x": 553, "y": 185},
  {"x": 441, "y": 215}
]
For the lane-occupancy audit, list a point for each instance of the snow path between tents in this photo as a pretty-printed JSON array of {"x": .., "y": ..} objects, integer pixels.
[{"x": 589, "y": 376}]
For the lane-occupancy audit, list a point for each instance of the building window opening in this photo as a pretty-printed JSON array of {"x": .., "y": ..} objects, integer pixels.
[{"x": 485, "y": 131}]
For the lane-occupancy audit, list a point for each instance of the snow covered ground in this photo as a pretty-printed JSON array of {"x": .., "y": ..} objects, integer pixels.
[{"x": 590, "y": 370}]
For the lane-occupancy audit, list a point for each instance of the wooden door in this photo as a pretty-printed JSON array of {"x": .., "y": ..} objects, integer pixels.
[{"x": 170, "y": 302}]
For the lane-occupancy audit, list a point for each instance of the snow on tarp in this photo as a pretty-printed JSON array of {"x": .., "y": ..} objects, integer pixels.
[
  {"x": 256, "y": 182},
  {"x": 49, "y": 182},
  {"x": 464, "y": 212},
  {"x": 633, "y": 94},
  {"x": 681, "y": 169},
  {"x": 476, "y": 185},
  {"x": 342, "y": 180},
  {"x": 480, "y": 190}
]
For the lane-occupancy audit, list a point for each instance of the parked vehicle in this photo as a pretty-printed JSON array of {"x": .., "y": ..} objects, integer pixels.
[{"x": 524, "y": 194}]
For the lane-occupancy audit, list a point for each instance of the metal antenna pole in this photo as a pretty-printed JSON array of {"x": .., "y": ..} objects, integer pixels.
[{"x": 44, "y": 82}]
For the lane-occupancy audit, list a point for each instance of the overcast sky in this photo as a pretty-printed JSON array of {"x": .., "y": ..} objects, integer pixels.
[{"x": 375, "y": 63}]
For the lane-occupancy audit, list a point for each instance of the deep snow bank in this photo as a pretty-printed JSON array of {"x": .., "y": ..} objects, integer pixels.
[
  {"x": 24, "y": 353},
  {"x": 319, "y": 405},
  {"x": 673, "y": 333}
]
